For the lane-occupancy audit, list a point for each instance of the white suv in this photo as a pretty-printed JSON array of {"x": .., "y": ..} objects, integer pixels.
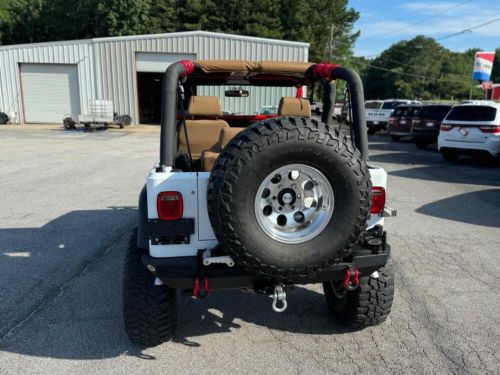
[{"x": 471, "y": 128}]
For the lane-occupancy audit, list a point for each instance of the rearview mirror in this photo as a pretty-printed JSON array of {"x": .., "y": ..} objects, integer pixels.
[{"x": 236, "y": 93}]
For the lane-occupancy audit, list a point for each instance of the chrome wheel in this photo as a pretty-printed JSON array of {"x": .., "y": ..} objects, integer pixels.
[{"x": 294, "y": 203}]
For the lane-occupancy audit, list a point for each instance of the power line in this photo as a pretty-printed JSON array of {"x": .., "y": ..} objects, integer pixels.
[
  {"x": 378, "y": 6},
  {"x": 439, "y": 79},
  {"x": 470, "y": 29},
  {"x": 419, "y": 21}
]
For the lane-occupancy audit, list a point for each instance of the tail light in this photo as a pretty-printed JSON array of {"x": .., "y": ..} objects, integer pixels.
[
  {"x": 170, "y": 205},
  {"x": 446, "y": 128},
  {"x": 392, "y": 120},
  {"x": 378, "y": 200},
  {"x": 490, "y": 129}
]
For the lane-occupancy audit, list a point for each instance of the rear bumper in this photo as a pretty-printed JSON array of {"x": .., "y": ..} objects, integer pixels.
[
  {"x": 377, "y": 125},
  {"x": 401, "y": 130},
  {"x": 182, "y": 272},
  {"x": 471, "y": 151},
  {"x": 421, "y": 135},
  {"x": 490, "y": 146}
]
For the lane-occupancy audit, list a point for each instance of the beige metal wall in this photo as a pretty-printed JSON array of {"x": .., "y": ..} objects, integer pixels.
[
  {"x": 79, "y": 53},
  {"x": 120, "y": 77},
  {"x": 107, "y": 66}
]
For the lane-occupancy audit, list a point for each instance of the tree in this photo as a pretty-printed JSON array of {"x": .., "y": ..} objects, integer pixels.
[
  {"x": 311, "y": 21},
  {"x": 495, "y": 74},
  {"x": 420, "y": 68},
  {"x": 27, "y": 21}
]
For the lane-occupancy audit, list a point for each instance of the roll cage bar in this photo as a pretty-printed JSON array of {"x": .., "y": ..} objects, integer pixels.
[{"x": 316, "y": 72}]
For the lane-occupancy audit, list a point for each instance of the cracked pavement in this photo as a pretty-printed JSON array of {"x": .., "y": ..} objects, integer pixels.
[{"x": 68, "y": 206}]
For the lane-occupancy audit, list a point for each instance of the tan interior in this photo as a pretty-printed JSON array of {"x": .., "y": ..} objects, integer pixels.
[
  {"x": 204, "y": 128},
  {"x": 209, "y": 157},
  {"x": 294, "y": 107}
]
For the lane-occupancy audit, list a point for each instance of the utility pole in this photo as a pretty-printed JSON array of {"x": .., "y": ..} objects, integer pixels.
[
  {"x": 330, "y": 55},
  {"x": 329, "y": 46}
]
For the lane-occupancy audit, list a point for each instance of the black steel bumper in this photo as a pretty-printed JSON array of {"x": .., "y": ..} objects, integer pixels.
[{"x": 182, "y": 272}]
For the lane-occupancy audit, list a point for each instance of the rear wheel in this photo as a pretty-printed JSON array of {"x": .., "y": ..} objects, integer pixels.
[
  {"x": 370, "y": 304},
  {"x": 149, "y": 311},
  {"x": 450, "y": 155}
]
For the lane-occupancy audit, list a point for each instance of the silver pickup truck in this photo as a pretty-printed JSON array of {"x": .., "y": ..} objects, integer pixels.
[{"x": 378, "y": 112}]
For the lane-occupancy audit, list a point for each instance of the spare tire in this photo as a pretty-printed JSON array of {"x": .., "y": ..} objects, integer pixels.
[{"x": 288, "y": 196}]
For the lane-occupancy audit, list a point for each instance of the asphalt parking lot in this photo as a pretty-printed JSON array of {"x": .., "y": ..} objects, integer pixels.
[{"x": 68, "y": 204}]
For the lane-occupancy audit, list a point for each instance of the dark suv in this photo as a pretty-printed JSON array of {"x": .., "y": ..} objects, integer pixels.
[
  {"x": 425, "y": 129},
  {"x": 400, "y": 123}
]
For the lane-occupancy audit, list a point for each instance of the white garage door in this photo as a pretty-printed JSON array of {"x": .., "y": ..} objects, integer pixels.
[
  {"x": 158, "y": 62},
  {"x": 50, "y": 92}
]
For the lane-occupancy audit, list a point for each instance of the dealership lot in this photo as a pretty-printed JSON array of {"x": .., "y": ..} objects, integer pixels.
[{"x": 68, "y": 205}]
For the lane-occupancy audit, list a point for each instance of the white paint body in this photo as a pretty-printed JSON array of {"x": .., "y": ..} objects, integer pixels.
[
  {"x": 467, "y": 135},
  {"x": 193, "y": 187}
]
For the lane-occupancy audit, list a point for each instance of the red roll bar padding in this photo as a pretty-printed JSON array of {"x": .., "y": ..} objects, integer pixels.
[
  {"x": 323, "y": 70},
  {"x": 300, "y": 91},
  {"x": 188, "y": 67}
]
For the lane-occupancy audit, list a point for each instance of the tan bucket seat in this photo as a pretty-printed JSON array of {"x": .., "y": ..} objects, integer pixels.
[
  {"x": 203, "y": 125},
  {"x": 209, "y": 157}
]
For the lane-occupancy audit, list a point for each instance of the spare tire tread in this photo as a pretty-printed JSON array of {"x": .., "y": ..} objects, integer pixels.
[{"x": 231, "y": 163}]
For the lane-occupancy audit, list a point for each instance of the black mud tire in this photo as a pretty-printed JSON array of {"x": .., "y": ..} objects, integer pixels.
[
  {"x": 395, "y": 137},
  {"x": 450, "y": 155},
  {"x": 421, "y": 145},
  {"x": 253, "y": 155},
  {"x": 149, "y": 311},
  {"x": 369, "y": 305}
]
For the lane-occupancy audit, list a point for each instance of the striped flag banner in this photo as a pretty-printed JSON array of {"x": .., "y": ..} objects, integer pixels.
[{"x": 483, "y": 63}]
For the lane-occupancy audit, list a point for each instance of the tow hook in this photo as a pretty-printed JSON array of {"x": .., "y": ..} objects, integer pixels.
[
  {"x": 198, "y": 293},
  {"x": 279, "y": 295},
  {"x": 351, "y": 279}
]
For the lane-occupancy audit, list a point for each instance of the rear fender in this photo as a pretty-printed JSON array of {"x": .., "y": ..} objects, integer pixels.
[{"x": 142, "y": 235}]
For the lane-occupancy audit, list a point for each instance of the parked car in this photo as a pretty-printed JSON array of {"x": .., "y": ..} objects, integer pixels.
[
  {"x": 471, "y": 128},
  {"x": 426, "y": 126},
  {"x": 268, "y": 110},
  {"x": 401, "y": 121},
  {"x": 317, "y": 107},
  {"x": 378, "y": 112}
]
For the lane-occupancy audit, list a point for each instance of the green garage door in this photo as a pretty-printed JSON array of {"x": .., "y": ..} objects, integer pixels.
[{"x": 50, "y": 92}]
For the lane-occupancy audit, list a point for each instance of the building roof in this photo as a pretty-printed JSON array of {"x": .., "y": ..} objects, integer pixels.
[{"x": 163, "y": 35}]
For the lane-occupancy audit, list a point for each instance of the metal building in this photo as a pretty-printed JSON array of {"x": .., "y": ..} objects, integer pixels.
[{"x": 45, "y": 82}]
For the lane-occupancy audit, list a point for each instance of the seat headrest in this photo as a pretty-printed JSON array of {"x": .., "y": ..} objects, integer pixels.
[
  {"x": 204, "y": 106},
  {"x": 294, "y": 107}
]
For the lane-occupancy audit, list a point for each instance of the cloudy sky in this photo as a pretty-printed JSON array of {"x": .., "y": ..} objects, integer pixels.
[{"x": 384, "y": 22}]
